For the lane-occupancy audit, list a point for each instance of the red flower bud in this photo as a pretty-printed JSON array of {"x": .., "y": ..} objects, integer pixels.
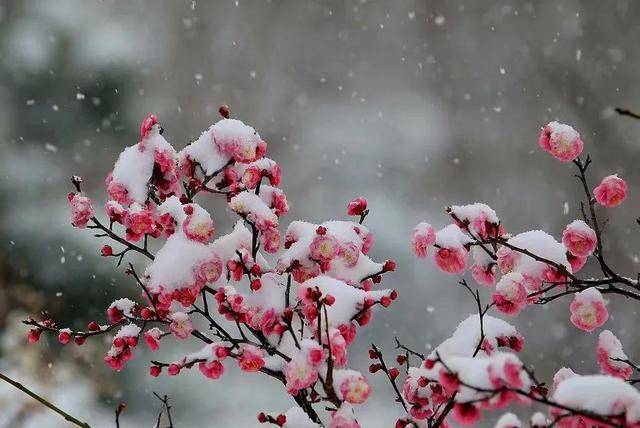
[
  {"x": 329, "y": 300},
  {"x": 256, "y": 284},
  {"x": 255, "y": 270},
  {"x": 262, "y": 418},
  {"x": 401, "y": 359},
  {"x": 64, "y": 337},
  {"x": 34, "y": 335},
  {"x": 93, "y": 326},
  {"x": 106, "y": 251},
  {"x": 281, "y": 420},
  {"x": 393, "y": 373},
  {"x": 389, "y": 266},
  {"x": 79, "y": 340},
  {"x": 224, "y": 111},
  {"x": 374, "y": 368},
  {"x": 321, "y": 230},
  {"x": 385, "y": 301},
  {"x": 155, "y": 370},
  {"x": 357, "y": 206}
]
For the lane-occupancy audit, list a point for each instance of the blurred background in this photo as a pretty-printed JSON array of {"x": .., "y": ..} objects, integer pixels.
[{"x": 415, "y": 105}]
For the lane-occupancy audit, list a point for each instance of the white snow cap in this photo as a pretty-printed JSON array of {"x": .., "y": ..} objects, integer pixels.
[
  {"x": 508, "y": 420},
  {"x": 348, "y": 301},
  {"x": 465, "y": 338},
  {"x": 134, "y": 166},
  {"x": 604, "y": 395},
  {"x": 129, "y": 330},
  {"x": 561, "y": 131},
  {"x": 452, "y": 236},
  {"x": 473, "y": 211},
  {"x": 538, "y": 420},
  {"x": 297, "y": 418},
  {"x": 541, "y": 244},
  {"x": 124, "y": 305}
]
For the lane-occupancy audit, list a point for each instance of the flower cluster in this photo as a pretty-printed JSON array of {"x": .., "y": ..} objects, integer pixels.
[
  {"x": 468, "y": 373},
  {"x": 290, "y": 306},
  {"x": 291, "y": 316}
]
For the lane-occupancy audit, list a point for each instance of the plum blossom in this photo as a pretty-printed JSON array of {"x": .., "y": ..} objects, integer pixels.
[
  {"x": 422, "y": 238},
  {"x": 611, "y": 357},
  {"x": 344, "y": 417},
  {"x": 579, "y": 238},
  {"x": 181, "y": 326},
  {"x": 451, "y": 255},
  {"x": 212, "y": 370},
  {"x": 152, "y": 338},
  {"x": 511, "y": 294},
  {"x": 561, "y": 141},
  {"x": 81, "y": 210},
  {"x": 251, "y": 358},
  {"x": 198, "y": 226},
  {"x": 588, "y": 310},
  {"x": 357, "y": 207},
  {"x": 352, "y": 386},
  {"x": 611, "y": 191},
  {"x": 138, "y": 221}
]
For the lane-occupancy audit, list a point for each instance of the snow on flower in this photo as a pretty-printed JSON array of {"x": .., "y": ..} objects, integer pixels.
[
  {"x": 579, "y": 238},
  {"x": 483, "y": 269},
  {"x": 511, "y": 294},
  {"x": 344, "y": 417},
  {"x": 611, "y": 357},
  {"x": 480, "y": 220},
  {"x": 81, "y": 210},
  {"x": 561, "y": 141},
  {"x": 602, "y": 395},
  {"x": 152, "y": 338},
  {"x": 588, "y": 310},
  {"x": 152, "y": 159},
  {"x": 422, "y": 238},
  {"x": 253, "y": 208},
  {"x": 533, "y": 271},
  {"x": 351, "y": 386},
  {"x": 611, "y": 192},
  {"x": 119, "y": 309},
  {"x": 181, "y": 326},
  {"x": 198, "y": 225},
  {"x": 451, "y": 255},
  {"x": 508, "y": 420},
  {"x": 251, "y": 358}
]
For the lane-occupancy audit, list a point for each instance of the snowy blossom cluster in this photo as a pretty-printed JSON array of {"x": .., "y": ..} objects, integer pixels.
[
  {"x": 288, "y": 305},
  {"x": 477, "y": 368},
  {"x": 291, "y": 305}
]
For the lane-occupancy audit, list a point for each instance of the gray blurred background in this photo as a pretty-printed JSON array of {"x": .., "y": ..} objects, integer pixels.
[{"x": 413, "y": 104}]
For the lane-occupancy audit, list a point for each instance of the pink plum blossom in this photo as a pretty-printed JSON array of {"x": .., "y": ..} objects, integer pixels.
[
  {"x": 251, "y": 358},
  {"x": 422, "y": 238},
  {"x": 579, "y": 238},
  {"x": 511, "y": 294},
  {"x": 81, "y": 210},
  {"x": 181, "y": 326},
  {"x": 357, "y": 207},
  {"x": 588, "y": 310},
  {"x": 561, "y": 141},
  {"x": 451, "y": 260},
  {"x": 355, "y": 389},
  {"x": 611, "y": 357},
  {"x": 611, "y": 191}
]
